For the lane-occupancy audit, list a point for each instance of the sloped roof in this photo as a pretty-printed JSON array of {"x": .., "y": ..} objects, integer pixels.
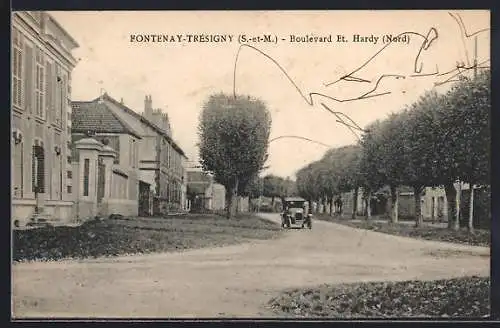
[
  {"x": 145, "y": 121},
  {"x": 97, "y": 117}
]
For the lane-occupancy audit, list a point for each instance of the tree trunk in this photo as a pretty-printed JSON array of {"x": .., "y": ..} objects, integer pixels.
[
  {"x": 272, "y": 203},
  {"x": 458, "y": 204},
  {"x": 394, "y": 204},
  {"x": 451, "y": 199},
  {"x": 418, "y": 205},
  {"x": 368, "y": 205},
  {"x": 331, "y": 206},
  {"x": 310, "y": 209},
  {"x": 233, "y": 193},
  {"x": 324, "y": 206},
  {"x": 355, "y": 203},
  {"x": 471, "y": 208}
]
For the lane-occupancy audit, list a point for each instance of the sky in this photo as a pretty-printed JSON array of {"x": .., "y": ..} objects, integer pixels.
[{"x": 180, "y": 76}]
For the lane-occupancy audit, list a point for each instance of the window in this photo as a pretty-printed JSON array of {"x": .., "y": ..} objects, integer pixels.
[
  {"x": 58, "y": 96},
  {"x": 38, "y": 168},
  {"x": 86, "y": 169},
  {"x": 68, "y": 159},
  {"x": 28, "y": 78},
  {"x": 70, "y": 174},
  {"x": 40, "y": 84},
  {"x": 69, "y": 189},
  {"x": 17, "y": 68},
  {"x": 49, "y": 90}
]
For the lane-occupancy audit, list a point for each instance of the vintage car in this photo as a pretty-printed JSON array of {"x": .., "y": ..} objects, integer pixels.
[{"x": 295, "y": 213}]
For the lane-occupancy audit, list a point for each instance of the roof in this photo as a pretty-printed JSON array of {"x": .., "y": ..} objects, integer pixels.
[
  {"x": 97, "y": 117},
  {"x": 294, "y": 199},
  {"x": 145, "y": 121},
  {"x": 198, "y": 176},
  {"x": 66, "y": 33}
]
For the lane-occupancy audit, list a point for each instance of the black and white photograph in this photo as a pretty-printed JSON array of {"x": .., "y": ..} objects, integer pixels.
[{"x": 305, "y": 164}]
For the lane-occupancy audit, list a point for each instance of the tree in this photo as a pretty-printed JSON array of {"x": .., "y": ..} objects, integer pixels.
[
  {"x": 273, "y": 186},
  {"x": 306, "y": 184},
  {"x": 325, "y": 180},
  {"x": 234, "y": 137},
  {"x": 383, "y": 160},
  {"x": 254, "y": 188},
  {"x": 468, "y": 111},
  {"x": 371, "y": 174},
  {"x": 422, "y": 132}
]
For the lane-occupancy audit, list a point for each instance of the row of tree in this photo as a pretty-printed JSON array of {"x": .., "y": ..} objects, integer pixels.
[{"x": 438, "y": 141}]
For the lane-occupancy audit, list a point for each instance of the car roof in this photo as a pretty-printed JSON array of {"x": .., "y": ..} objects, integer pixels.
[{"x": 294, "y": 199}]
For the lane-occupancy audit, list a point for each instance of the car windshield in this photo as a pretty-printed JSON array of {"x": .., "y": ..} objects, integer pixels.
[{"x": 295, "y": 204}]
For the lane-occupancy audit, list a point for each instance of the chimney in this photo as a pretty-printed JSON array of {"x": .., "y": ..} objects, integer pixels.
[
  {"x": 148, "y": 106},
  {"x": 121, "y": 101},
  {"x": 100, "y": 101}
]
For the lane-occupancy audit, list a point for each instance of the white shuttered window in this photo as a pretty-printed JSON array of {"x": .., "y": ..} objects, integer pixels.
[
  {"x": 40, "y": 84},
  {"x": 17, "y": 67}
]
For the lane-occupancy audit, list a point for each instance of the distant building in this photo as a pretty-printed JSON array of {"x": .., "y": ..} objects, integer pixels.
[
  {"x": 434, "y": 205},
  {"x": 204, "y": 193},
  {"x": 42, "y": 64},
  {"x": 162, "y": 185},
  {"x": 105, "y": 160}
]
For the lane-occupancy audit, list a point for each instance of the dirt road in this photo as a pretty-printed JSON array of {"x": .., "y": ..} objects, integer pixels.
[{"x": 235, "y": 280}]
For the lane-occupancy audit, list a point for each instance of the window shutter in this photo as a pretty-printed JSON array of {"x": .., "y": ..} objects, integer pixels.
[
  {"x": 41, "y": 170},
  {"x": 33, "y": 169},
  {"x": 64, "y": 114},
  {"x": 15, "y": 82},
  {"x": 49, "y": 105},
  {"x": 28, "y": 82}
]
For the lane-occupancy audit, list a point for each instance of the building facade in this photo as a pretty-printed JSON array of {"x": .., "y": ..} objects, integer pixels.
[
  {"x": 42, "y": 64},
  {"x": 162, "y": 161},
  {"x": 204, "y": 194},
  {"x": 101, "y": 135}
]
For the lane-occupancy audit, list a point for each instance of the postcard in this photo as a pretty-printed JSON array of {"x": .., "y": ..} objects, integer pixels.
[{"x": 328, "y": 164}]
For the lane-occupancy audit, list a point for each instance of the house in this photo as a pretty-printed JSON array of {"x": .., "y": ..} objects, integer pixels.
[
  {"x": 162, "y": 186},
  {"x": 204, "y": 193},
  {"x": 105, "y": 160},
  {"x": 434, "y": 205},
  {"x": 42, "y": 64}
]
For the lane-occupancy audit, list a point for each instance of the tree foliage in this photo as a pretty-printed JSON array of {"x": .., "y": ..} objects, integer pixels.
[
  {"x": 438, "y": 140},
  {"x": 233, "y": 140}
]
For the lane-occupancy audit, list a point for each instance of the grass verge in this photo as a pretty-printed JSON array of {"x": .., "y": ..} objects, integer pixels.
[
  {"x": 460, "y": 297},
  {"x": 114, "y": 237},
  {"x": 462, "y": 236}
]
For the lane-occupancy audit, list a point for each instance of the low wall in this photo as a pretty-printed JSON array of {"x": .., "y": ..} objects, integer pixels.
[
  {"x": 61, "y": 210},
  {"x": 125, "y": 207},
  {"x": 23, "y": 209},
  {"x": 86, "y": 209}
]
